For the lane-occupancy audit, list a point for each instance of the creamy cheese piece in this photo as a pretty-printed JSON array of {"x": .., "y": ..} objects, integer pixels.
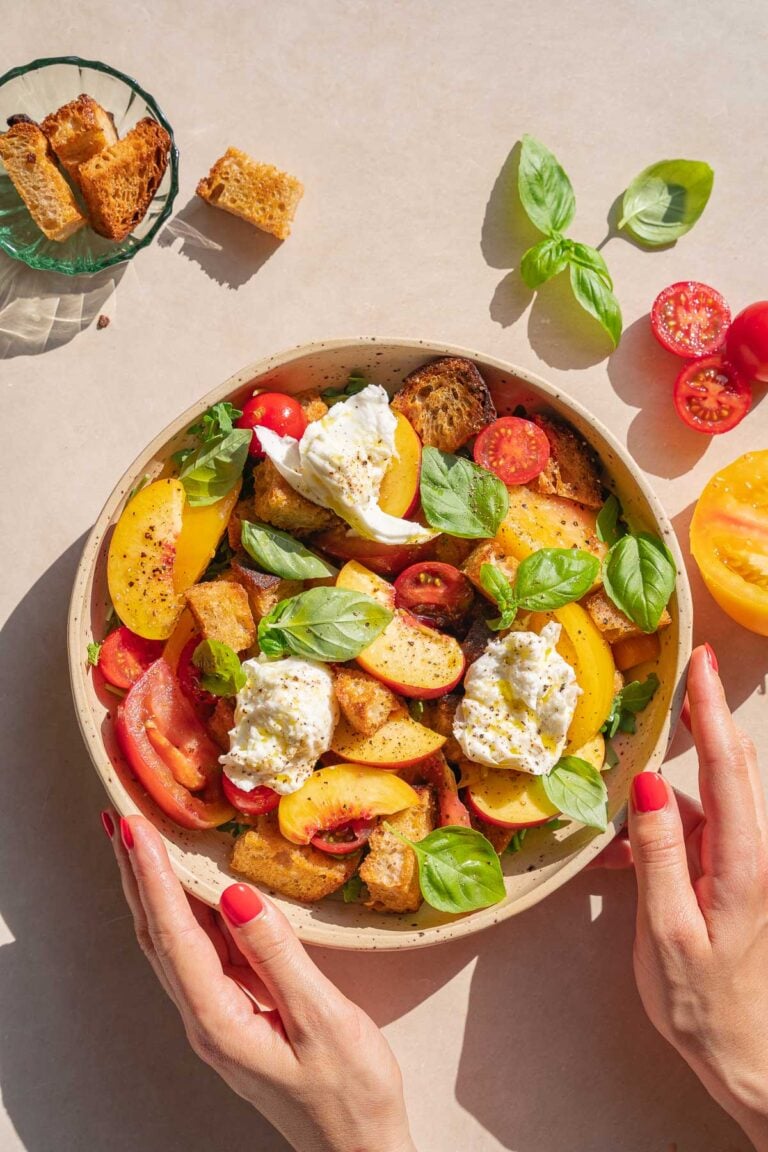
[
  {"x": 520, "y": 697},
  {"x": 284, "y": 720},
  {"x": 340, "y": 462}
]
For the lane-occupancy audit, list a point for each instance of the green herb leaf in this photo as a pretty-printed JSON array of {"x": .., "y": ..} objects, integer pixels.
[
  {"x": 543, "y": 261},
  {"x": 628, "y": 701},
  {"x": 330, "y": 624},
  {"x": 578, "y": 790},
  {"x": 459, "y": 870},
  {"x": 142, "y": 483},
  {"x": 545, "y": 190},
  {"x": 516, "y": 842},
  {"x": 611, "y": 756},
  {"x": 597, "y": 298},
  {"x": 552, "y": 577},
  {"x": 356, "y": 383},
  {"x": 353, "y": 890},
  {"x": 501, "y": 591},
  {"x": 459, "y": 497},
  {"x": 220, "y": 418},
  {"x": 233, "y": 828},
  {"x": 639, "y": 576},
  {"x": 222, "y": 672},
  {"x": 277, "y": 552},
  {"x": 589, "y": 258},
  {"x": 94, "y": 651},
  {"x": 665, "y": 200},
  {"x": 215, "y": 467},
  {"x": 608, "y": 525},
  {"x": 416, "y": 709}
]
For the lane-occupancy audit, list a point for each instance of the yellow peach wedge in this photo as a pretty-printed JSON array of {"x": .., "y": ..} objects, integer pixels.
[{"x": 340, "y": 793}]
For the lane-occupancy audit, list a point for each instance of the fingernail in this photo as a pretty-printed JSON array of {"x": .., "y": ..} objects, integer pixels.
[
  {"x": 125, "y": 833},
  {"x": 109, "y": 827},
  {"x": 711, "y": 657},
  {"x": 649, "y": 792},
  {"x": 241, "y": 904}
]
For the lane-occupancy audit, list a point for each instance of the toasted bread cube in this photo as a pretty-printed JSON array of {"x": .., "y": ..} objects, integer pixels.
[
  {"x": 634, "y": 650},
  {"x": 365, "y": 702},
  {"x": 265, "y": 590},
  {"x": 612, "y": 622},
  {"x": 572, "y": 470},
  {"x": 476, "y": 640},
  {"x": 313, "y": 404},
  {"x": 439, "y": 715},
  {"x": 489, "y": 552},
  {"x": 26, "y": 154},
  {"x": 263, "y": 856},
  {"x": 243, "y": 510},
  {"x": 447, "y": 401},
  {"x": 452, "y": 549},
  {"x": 390, "y": 870},
  {"x": 119, "y": 183},
  {"x": 258, "y": 193},
  {"x": 221, "y": 722},
  {"x": 275, "y": 502},
  {"x": 77, "y": 131},
  {"x": 222, "y": 612},
  {"x": 499, "y": 837}
]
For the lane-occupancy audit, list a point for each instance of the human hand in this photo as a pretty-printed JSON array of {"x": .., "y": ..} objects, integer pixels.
[{"x": 257, "y": 1009}]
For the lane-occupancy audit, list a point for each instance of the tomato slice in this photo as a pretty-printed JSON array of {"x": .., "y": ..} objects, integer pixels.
[
  {"x": 274, "y": 410},
  {"x": 188, "y": 675},
  {"x": 179, "y": 746},
  {"x": 436, "y": 594},
  {"x": 253, "y": 803},
  {"x": 690, "y": 319},
  {"x": 514, "y": 448},
  {"x": 710, "y": 397},
  {"x": 345, "y": 838},
  {"x": 124, "y": 657}
]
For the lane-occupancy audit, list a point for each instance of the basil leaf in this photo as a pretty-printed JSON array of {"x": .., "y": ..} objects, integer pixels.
[
  {"x": 545, "y": 190},
  {"x": 637, "y": 695},
  {"x": 215, "y": 467},
  {"x": 233, "y": 828},
  {"x": 665, "y": 200},
  {"x": 552, "y": 577},
  {"x": 459, "y": 870},
  {"x": 579, "y": 791},
  {"x": 94, "y": 652},
  {"x": 222, "y": 671},
  {"x": 595, "y": 297},
  {"x": 277, "y": 552},
  {"x": 501, "y": 591},
  {"x": 330, "y": 624},
  {"x": 639, "y": 576},
  {"x": 545, "y": 260},
  {"x": 589, "y": 258},
  {"x": 353, "y": 890},
  {"x": 220, "y": 418},
  {"x": 356, "y": 383},
  {"x": 516, "y": 842},
  {"x": 608, "y": 527},
  {"x": 459, "y": 497}
]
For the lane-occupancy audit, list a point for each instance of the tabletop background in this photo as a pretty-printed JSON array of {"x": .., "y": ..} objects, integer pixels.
[{"x": 400, "y": 118}]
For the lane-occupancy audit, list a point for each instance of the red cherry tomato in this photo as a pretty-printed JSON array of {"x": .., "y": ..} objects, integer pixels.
[
  {"x": 436, "y": 594},
  {"x": 747, "y": 342},
  {"x": 514, "y": 448},
  {"x": 345, "y": 838},
  {"x": 710, "y": 396},
  {"x": 188, "y": 676},
  {"x": 690, "y": 319},
  {"x": 282, "y": 414},
  {"x": 124, "y": 657},
  {"x": 254, "y": 803}
]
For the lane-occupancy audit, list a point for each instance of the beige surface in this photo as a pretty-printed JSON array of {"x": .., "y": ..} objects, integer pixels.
[{"x": 398, "y": 118}]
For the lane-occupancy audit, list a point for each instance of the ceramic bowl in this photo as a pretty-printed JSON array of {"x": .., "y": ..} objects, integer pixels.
[{"x": 548, "y": 859}]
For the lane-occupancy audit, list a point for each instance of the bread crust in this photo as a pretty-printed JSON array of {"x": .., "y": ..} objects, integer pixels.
[
  {"x": 298, "y": 871},
  {"x": 222, "y": 612},
  {"x": 573, "y": 470},
  {"x": 258, "y": 193},
  {"x": 78, "y": 131},
  {"x": 26, "y": 154},
  {"x": 120, "y": 182},
  {"x": 447, "y": 401},
  {"x": 390, "y": 871}
]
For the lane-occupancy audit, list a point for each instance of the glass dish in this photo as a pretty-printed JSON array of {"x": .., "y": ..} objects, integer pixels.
[{"x": 41, "y": 87}]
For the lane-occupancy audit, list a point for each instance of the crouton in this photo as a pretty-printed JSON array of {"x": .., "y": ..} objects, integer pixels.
[
  {"x": 390, "y": 870},
  {"x": 476, "y": 639},
  {"x": 634, "y": 650},
  {"x": 489, "y": 552},
  {"x": 221, "y": 722},
  {"x": 222, "y": 612},
  {"x": 499, "y": 837},
  {"x": 573, "y": 469},
  {"x": 258, "y": 193},
  {"x": 264, "y": 590},
  {"x": 243, "y": 510},
  {"x": 312, "y": 403},
  {"x": 275, "y": 502},
  {"x": 452, "y": 549},
  {"x": 365, "y": 702},
  {"x": 612, "y": 622},
  {"x": 447, "y": 401},
  {"x": 263, "y": 856},
  {"x": 438, "y": 715},
  {"x": 26, "y": 154},
  {"x": 119, "y": 183},
  {"x": 77, "y": 131}
]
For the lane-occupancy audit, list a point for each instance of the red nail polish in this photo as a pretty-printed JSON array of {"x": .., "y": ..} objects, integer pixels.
[
  {"x": 711, "y": 657},
  {"x": 125, "y": 833},
  {"x": 241, "y": 904},
  {"x": 649, "y": 792},
  {"x": 109, "y": 827}
]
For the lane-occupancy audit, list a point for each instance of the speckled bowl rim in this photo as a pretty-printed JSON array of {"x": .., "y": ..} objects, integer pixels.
[{"x": 335, "y": 935}]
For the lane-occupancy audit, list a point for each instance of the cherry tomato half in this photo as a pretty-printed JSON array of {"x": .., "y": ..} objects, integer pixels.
[
  {"x": 124, "y": 657},
  {"x": 254, "y": 803},
  {"x": 282, "y": 414},
  {"x": 514, "y": 449},
  {"x": 747, "y": 342},
  {"x": 710, "y": 396},
  {"x": 344, "y": 839},
  {"x": 690, "y": 319},
  {"x": 436, "y": 594},
  {"x": 188, "y": 676}
]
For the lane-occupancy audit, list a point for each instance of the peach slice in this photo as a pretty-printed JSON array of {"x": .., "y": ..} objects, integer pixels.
[
  {"x": 399, "y": 743},
  {"x": 510, "y": 799},
  {"x": 201, "y": 530},
  {"x": 399, "y": 493},
  {"x": 409, "y": 657},
  {"x": 536, "y": 521},
  {"x": 342, "y": 792},
  {"x": 387, "y": 559}
]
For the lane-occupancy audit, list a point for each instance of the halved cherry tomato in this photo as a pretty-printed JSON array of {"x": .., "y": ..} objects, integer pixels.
[
  {"x": 254, "y": 803},
  {"x": 747, "y": 342},
  {"x": 710, "y": 397},
  {"x": 436, "y": 594},
  {"x": 188, "y": 676},
  {"x": 282, "y": 414},
  {"x": 178, "y": 741},
  {"x": 690, "y": 319},
  {"x": 514, "y": 448},
  {"x": 345, "y": 838},
  {"x": 124, "y": 657}
]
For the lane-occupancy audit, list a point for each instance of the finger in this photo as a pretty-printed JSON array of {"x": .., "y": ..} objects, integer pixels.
[
  {"x": 616, "y": 855},
  {"x": 233, "y": 963}
]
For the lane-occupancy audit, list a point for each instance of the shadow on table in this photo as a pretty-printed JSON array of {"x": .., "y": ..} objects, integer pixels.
[{"x": 227, "y": 249}]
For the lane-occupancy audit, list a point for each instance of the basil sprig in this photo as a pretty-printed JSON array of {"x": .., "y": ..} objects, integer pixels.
[
  {"x": 578, "y": 790},
  {"x": 277, "y": 552},
  {"x": 329, "y": 624},
  {"x": 222, "y": 672},
  {"x": 639, "y": 577},
  {"x": 608, "y": 524},
  {"x": 628, "y": 701},
  {"x": 459, "y": 497},
  {"x": 459, "y": 870},
  {"x": 665, "y": 200},
  {"x": 211, "y": 470},
  {"x": 545, "y": 580}
]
